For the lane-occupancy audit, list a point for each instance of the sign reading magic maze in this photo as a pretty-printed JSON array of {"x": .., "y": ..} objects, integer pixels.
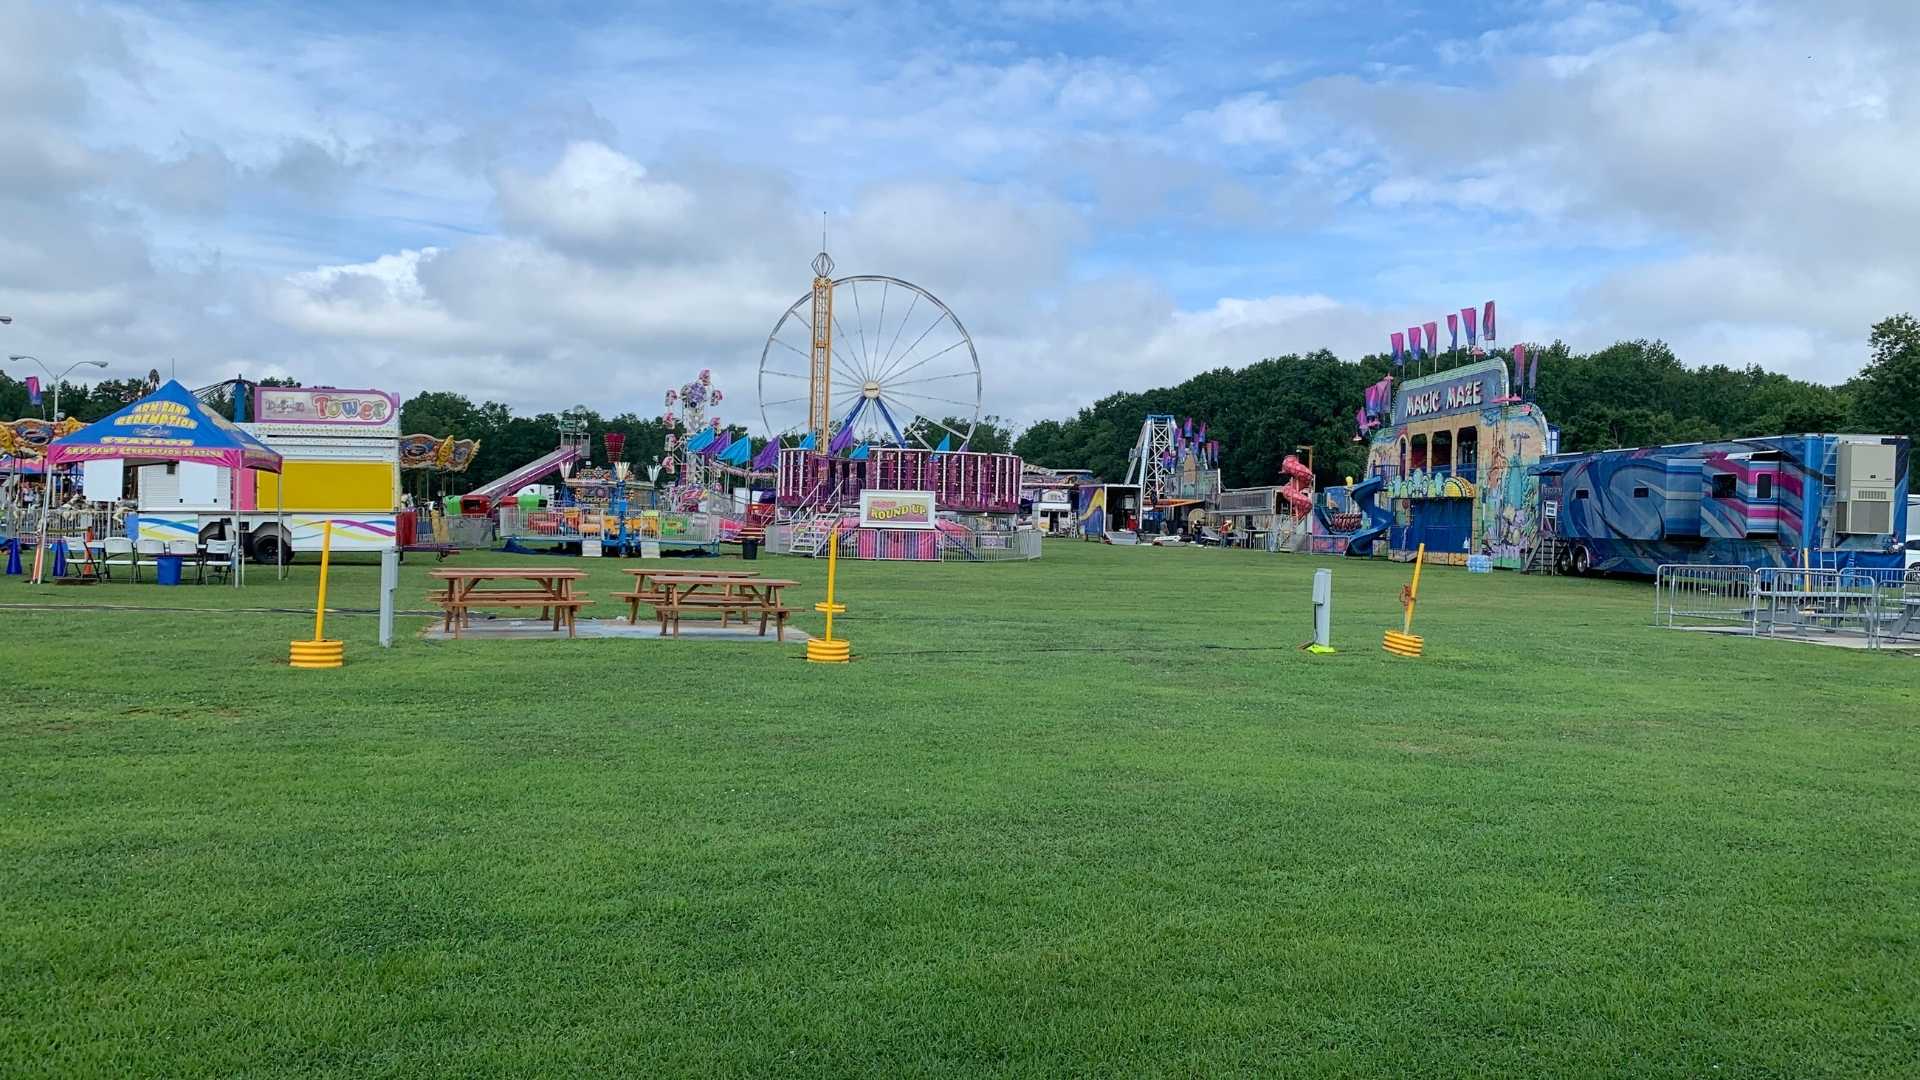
[{"x": 1460, "y": 390}]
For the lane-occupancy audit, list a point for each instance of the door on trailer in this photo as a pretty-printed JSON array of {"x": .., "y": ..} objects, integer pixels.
[{"x": 1442, "y": 524}]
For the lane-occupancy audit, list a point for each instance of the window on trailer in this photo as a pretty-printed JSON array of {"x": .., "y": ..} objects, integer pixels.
[{"x": 1442, "y": 450}]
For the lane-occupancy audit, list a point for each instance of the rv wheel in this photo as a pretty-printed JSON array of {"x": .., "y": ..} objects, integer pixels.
[
  {"x": 1563, "y": 564},
  {"x": 269, "y": 547},
  {"x": 1582, "y": 562}
]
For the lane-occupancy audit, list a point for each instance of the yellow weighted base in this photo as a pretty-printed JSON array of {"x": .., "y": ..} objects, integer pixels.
[
  {"x": 318, "y": 654},
  {"x": 821, "y": 651},
  {"x": 1403, "y": 644}
]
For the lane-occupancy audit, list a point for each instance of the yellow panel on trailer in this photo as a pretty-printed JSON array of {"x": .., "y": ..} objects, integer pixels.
[{"x": 330, "y": 485}]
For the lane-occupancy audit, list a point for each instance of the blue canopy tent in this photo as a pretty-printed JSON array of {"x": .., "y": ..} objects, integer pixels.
[{"x": 170, "y": 425}]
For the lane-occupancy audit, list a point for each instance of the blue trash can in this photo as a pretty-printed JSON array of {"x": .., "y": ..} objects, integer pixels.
[{"x": 169, "y": 570}]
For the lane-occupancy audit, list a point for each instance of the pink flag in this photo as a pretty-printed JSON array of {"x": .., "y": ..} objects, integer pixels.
[
  {"x": 1399, "y": 348},
  {"x": 1486, "y": 323},
  {"x": 1433, "y": 339},
  {"x": 1453, "y": 331},
  {"x": 1472, "y": 318},
  {"x": 1519, "y": 366},
  {"x": 33, "y": 389}
]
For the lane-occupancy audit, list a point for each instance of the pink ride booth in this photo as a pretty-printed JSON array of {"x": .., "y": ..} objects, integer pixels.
[{"x": 816, "y": 486}]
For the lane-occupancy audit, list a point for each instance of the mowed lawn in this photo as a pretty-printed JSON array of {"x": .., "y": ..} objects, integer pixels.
[{"x": 1092, "y": 815}]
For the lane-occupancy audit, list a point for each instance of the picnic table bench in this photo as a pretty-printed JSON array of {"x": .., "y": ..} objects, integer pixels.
[
  {"x": 549, "y": 590},
  {"x": 647, "y": 589},
  {"x": 729, "y": 593}
]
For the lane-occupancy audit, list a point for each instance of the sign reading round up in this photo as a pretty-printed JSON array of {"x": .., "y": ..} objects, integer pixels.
[{"x": 896, "y": 509}]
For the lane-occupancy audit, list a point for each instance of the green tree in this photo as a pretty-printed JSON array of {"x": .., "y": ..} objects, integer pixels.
[{"x": 1886, "y": 393}]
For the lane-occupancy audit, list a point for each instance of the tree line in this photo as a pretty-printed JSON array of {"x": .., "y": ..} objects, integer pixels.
[{"x": 1632, "y": 393}]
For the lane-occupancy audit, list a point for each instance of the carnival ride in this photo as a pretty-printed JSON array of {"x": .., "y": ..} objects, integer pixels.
[
  {"x": 1176, "y": 468},
  {"x": 884, "y": 391},
  {"x": 903, "y": 420}
]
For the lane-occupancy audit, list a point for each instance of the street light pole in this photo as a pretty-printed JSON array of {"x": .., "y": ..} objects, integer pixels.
[
  {"x": 46, "y": 493},
  {"x": 57, "y": 379}
]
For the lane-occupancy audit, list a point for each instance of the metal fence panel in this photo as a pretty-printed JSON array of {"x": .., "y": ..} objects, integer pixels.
[{"x": 1694, "y": 595}]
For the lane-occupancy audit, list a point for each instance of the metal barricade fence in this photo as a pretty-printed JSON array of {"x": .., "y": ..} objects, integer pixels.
[
  {"x": 1829, "y": 602},
  {"x": 1691, "y": 595}
]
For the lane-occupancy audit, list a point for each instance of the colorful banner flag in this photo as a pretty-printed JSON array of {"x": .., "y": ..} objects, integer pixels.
[
  {"x": 33, "y": 389},
  {"x": 1413, "y": 335},
  {"x": 1433, "y": 339},
  {"x": 1472, "y": 319},
  {"x": 1486, "y": 323},
  {"x": 841, "y": 440},
  {"x": 806, "y": 443},
  {"x": 1453, "y": 331},
  {"x": 769, "y": 456},
  {"x": 1399, "y": 349}
]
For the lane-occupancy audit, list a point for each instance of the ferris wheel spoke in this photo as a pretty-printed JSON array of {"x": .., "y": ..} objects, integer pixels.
[
  {"x": 930, "y": 397},
  {"x": 860, "y": 324},
  {"x": 916, "y": 344},
  {"x": 935, "y": 356},
  {"x": 784, "y": 374},
  {"x": 888, "y": 355},
  {"x": 783, "y": 401},
  {"x": 902, "y": 406},
  {"x": 793, "y": 350},
  {"x": 935, "y": 378}
]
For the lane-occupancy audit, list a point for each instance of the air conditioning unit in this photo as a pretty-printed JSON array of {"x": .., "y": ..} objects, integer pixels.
[
  {"x": 1863, "y": 466},
  {"x": 1868, "y": 513}
]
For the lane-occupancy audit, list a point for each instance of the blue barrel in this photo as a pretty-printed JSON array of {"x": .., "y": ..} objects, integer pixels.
[{"x": 169, "y": 571}]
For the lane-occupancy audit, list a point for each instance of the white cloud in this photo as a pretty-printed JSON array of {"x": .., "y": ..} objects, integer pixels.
[{"x": 592, "y": 215}]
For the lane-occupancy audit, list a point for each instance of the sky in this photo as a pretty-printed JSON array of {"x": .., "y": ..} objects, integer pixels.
[{"x": 554, "y": 204}]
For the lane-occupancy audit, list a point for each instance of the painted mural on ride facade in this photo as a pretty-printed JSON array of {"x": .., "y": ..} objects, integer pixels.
[{"x": 1455, "y": 462}]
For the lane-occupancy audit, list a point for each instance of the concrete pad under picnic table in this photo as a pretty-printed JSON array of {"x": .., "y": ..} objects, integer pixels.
[{"x": 485, "y": 627}]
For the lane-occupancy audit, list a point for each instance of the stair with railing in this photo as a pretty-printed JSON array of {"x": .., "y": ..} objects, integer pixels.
[
  {"x": 1545, "y": 556},
  {"x": 810, "y": 528}
]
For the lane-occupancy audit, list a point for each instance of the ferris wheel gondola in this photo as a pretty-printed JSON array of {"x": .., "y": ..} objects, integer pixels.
[{"x": 904, "y": 371}]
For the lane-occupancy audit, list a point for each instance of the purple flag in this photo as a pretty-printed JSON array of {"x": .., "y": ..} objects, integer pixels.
[
  {"x": 1472, "y": 317},
  {"x": 1486, "y": 323},
  {"x": 718, "y": 445},
  {"x": 841, "y": 440},
  {"x": 1189, "y": 427},
  {"x": 1360, "y": 420},
  {"x": 33, "y": 389},
  {"x": 1413, "y": 335},
  {"x": 768, "y": 457},
  {"x": 1519, "y": 366},
  {"x": 1203, "y": 431},
  {"x": 1399, "y": 349},
  {"x": 1433, "y": 339},
  {"x": 1453, "y": 330}
]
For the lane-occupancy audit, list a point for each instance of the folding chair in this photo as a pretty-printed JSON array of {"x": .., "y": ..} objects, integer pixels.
[
  {"x": 218, "y": 554},
  {"x": 80, "y": 557},
  {"x": 186, "y": 551},
  {"x": 152, "y": 549},
  {"x": 109, "y": 548}
]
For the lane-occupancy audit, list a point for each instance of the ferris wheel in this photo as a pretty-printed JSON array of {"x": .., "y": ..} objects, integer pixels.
[{"x": 904, "y": 369}]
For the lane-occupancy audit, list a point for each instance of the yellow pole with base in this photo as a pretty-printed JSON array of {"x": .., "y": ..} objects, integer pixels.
[
  {"x": 826, "y": 650},
  {"x": 320, "y": 653},
  {"x": 1405, "y": 642}
]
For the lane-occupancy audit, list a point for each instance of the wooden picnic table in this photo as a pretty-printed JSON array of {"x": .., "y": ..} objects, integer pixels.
[
  {"x": 729, "y": 594},
  {"x": 646, "y": 588},
  {"x": 547, "y": 589}
]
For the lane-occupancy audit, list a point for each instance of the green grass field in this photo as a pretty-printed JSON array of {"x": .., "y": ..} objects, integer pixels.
[{"x": 1092, "y": 815}]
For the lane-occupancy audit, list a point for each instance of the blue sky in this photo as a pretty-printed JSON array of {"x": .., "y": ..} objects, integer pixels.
[{"x": 560, "y": 203}]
